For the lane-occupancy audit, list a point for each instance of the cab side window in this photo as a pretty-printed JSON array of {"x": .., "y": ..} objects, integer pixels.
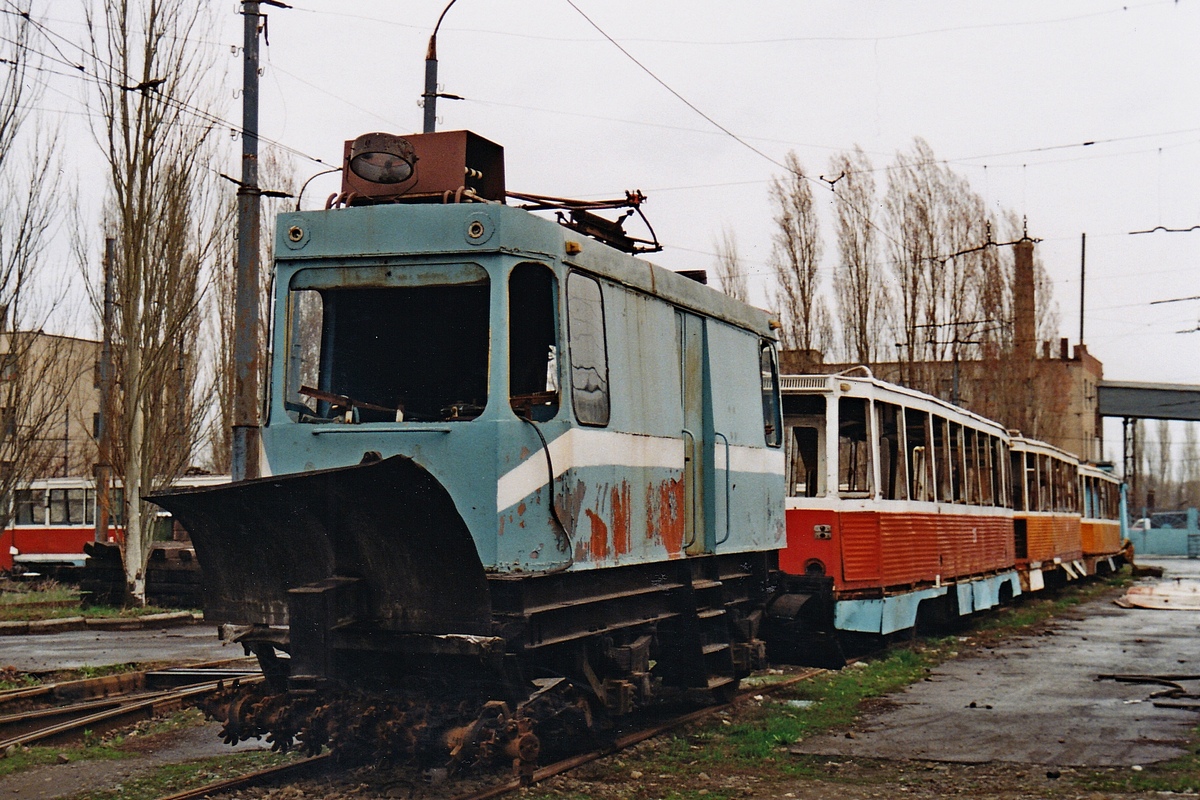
[
  {"x": 532, "y": 342},
  {"x": 589, "y": 351}
]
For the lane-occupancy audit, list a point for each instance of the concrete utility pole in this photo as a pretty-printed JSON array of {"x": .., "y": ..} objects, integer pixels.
[
  {"x": 245, "y": 447},
  {"x": 1082, "y": 281},
  {"x": 431, "y": 91}
]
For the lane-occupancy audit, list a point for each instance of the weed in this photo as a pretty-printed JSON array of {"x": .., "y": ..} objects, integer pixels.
[{"x": 174, "y": 778}]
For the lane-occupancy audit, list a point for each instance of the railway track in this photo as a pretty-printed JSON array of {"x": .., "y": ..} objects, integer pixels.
[
  {"x": 301, "y": 769},
  {"x": 62, "y": 712}
]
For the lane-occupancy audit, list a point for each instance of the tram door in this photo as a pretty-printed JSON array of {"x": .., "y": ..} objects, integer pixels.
[{"x": 697, "y": 435}]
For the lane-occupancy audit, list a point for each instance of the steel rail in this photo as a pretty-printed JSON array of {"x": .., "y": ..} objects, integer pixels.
[
  {"x": 513, "y": 784},
  {"x": 108, "y": 719},
  {"x": 252, "y": 778},
  {"x": 630, "y": 739},
  {"x": 104, "y": 686}
]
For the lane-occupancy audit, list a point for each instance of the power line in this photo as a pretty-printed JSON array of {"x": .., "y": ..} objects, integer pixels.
[{"x": 81, "y": 72}]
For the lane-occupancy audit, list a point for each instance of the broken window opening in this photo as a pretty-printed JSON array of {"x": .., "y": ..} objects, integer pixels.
[
  {"x": 532, "y": 342},
  {"x": 804, "y": 415},
  {"x": 854, "y": 447},
  {"x": 388, "y": 344}
]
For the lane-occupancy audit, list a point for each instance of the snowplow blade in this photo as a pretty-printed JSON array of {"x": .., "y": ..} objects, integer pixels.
[{"x": 389, "y": 524}]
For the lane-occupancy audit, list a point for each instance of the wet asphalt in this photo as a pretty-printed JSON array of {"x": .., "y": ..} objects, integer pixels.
[
  {"x": 1037, "y": 700},
  {"x": 75, "y": 649}
]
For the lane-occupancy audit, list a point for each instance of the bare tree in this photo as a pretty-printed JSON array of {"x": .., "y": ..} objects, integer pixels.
[
  {"x": 1160, "y": 466},
  {"x": 41, "y": 375},
  {"x": 151, "y": 76},
  {"x": 862, "y": 296},
  {"x": 795, "y": 259},
  {"x": 731, "y": 275},
  {"x": 1189, "y": 468}
]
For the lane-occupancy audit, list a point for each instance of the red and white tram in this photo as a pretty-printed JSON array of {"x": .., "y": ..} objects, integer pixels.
[
  {"x": 896, "y": 500},
  {"x": 53, "y": 518}
]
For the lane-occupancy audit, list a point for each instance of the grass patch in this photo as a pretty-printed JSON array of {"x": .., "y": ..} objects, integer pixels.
[
  {"x": 49, "y": 600},
  {"x": 1179, "y": 775},
  {"x": 127, "y": 743},
  {"x": 173, "y": 778},
  {"x": 28, "y": 757}
]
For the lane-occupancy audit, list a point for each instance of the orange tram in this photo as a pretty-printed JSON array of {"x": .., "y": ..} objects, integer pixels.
[{"x": 904, "y": 508}]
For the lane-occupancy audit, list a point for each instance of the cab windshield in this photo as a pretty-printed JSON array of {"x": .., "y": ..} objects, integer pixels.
[{"x": 388, "y": 344}]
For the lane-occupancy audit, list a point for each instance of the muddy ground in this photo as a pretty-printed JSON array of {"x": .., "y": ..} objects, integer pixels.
[{"x": 1022, "y": 717}]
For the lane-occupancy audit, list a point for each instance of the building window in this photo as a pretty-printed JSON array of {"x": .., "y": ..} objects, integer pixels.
[{"x": 8, "y": 422}]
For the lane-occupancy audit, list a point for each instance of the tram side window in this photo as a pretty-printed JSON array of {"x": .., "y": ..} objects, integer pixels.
[
  {"x": 804, "y": 419},
  {"x": 29, "y": 507},
  {"x": 1001, "y": 483},
  {"x": 986, "y": 468},
  {"x": 66, "y": 506},
  {"x": 920, "y": 460},
  {"x": 1045, "y": 484},
  {"x": 941, "y": 446},
  {"x": 1055, "y": 471},
  {"x": 1090, "y": 496},
  {"x": 971, "y": 469},
  {"x": 1033, "y": 497},
  {"x": 956, "y": 463},
  {"x": 1071, "y": 473},
  {"x": 532, "y": 343},
  {"x": 804, "y": 476},
  {"x": 1021, "y": 500},
  {"x": 854, "y": 448},
  {"x": 890, "y": 421}
]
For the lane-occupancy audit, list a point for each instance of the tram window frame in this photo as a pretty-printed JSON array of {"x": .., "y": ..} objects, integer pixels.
[
  {"x": 973, "y": 491},
  {"x": 1045, "y": 482},
  {"x": 984, "y": 452},
  {"x": 1017, "y": 480},
  {"x": 805, "y": 477},
  {"x": 805, "y": 412},
  {"x": 27, "y": 500},
  {"x": 945, "y": 470},
  {"x": 66, "y": 506},
  {"x": 1033, "y": 486},
  {"x": 390, "y": 345},
  {"x": 957, "y": 466},
  {"x": 587, "y": 341},
  {"x": 533, "y": 350},
  {"x": 855, "y": 478},
  {"x": 768, "y": 366},
  {"x": 893, "y": 476},
  {"x": 919, "y": 455},
  {"x": 1072, "y": 481}
]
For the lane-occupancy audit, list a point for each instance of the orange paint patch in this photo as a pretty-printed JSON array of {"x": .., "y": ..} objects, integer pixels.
[
  {"x": 621, "y": 514},
  {"x": 599, "y": 540},
  {"x": 520, "y": 509},
  {"x": 664, "y": 511}
]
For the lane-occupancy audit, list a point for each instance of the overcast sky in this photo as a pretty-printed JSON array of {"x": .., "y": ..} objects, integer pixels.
[{"x": 1007, "y": 93}]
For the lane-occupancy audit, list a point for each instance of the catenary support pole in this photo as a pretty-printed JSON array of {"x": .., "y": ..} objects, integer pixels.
[{"x": 245, "y": 438}]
